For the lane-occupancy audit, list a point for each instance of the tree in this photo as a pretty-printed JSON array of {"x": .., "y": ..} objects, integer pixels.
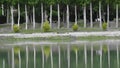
[
  {"x": 107, "y": 2},
  {"x": 51, "y": 3},
  {"x": 13, "y": 2},
  {"x": 100, "y": 16},
  {"x": 117, "y": 2},
  {"x": 2, "y": 6},
  {"x": 25, "y": 2},
  {"x": 58, "y": 9},
  {"x": 67, "y": 2},
  {"x": 75, "y": 3},
  {"x": 33, "y": 3},
  {"x": 91, "y": 17},
  {"x": 18, "y": 12},
  {"x": 42, "y": 13},
  {"x": 84, "y": 3}
]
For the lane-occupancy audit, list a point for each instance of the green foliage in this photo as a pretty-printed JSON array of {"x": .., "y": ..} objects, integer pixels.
[
  {"x": 33, "y": 2},
  {"x": 104, "y": 26},
  {"x": 46, "y": 26},
  {"x": 16, "y": 28},
  {"x": 75, "y": 27}
]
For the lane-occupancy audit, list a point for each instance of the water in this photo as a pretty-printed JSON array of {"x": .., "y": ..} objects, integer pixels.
[{"x": 88, "y": 55}]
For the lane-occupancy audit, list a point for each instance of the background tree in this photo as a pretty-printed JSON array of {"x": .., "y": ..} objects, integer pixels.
[
  {"x": 13, "y": 2},
  {"x": 117, "y": 16},
  {"x": 18, "y": 2},
  {"x": 58, "y": 9},
  {"x": 42, "y": 17},
  {"x": 84, "y": 3},
  {"x": 51, "y": 3},
  {"x": 33, "y": 3},
  {"x": 74, "y": 3},
  {"x": 67, "y": 2},
  {"x": 100, "y": 14}
]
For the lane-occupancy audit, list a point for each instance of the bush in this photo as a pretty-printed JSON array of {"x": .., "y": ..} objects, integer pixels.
[
  {"x": 75, "y": 27},
  {"x": 16, "y": 28},
  {"x": 104, "y": 26},
  {"x": 46, "y": 26}
]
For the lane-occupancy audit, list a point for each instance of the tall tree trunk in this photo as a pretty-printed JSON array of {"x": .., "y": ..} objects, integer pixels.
[
  {"x": 2, "y": 9},
  {"x": 46, "y": 15},
  {"x": 84, "y": 13},
  {"x": 58, "y": 16},
  {"x": 75, "y": 14},
  {"x": 68, "y": 24},
  {"x": 12, "y": 18},
  {"x": 26, "y": 17},
  {"x": 50, "y": 16},
  {"x": 107, "y": 15},
  {"x": 117, "y": 16},
  {"x": 91, "y": 18},
  {"x": 8, "y": 13},
  {"x": 100, "y": 25},
  {"x": 41, "y": 15},
  {"x": 18, "y": 14},
  {"x": 33, "y": 17}
]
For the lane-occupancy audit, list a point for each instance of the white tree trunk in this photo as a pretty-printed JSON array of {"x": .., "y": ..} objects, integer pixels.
[
  {"x": 58, "y": 16},
  {"x": 107, "y": 15},
  {"x": 2, "y": 9},
  {"x": 75, "y": 14},
  {"x": 33, "y": 17},
  {"x": 26, "y": 17},
  {"x": 50, "y": 16},
  {"x": 100, "y": 25},
  {"x": 68, "y": 24},
  {"x": 41, "y": 15},
  {"x": 84, "y": 13},
  {"x": 18, "y": 14},
  {"x": 91, "y": 18},
  {"x": 117, "y": 16},
  {"x": 12, "y": 18}
]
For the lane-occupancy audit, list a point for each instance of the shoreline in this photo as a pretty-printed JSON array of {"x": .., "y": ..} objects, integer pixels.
[{"x": 55, "y": 34}]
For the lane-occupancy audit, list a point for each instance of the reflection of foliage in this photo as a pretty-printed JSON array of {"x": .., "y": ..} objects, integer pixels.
[
  {"x": 47, "y": 51},
  {"x": 75, "y": 48},
  {"x": 16, "y": 50},
  {"x": 16, "y": 61},
  {"x": 104, "y": 48}
]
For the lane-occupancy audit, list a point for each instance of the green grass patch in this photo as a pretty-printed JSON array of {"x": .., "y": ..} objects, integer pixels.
[{"x": 8, "y": 40}]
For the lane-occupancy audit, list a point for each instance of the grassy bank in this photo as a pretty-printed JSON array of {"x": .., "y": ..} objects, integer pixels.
[{"x": 5, "y": 40}]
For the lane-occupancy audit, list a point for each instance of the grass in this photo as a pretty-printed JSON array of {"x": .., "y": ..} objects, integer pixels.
[
  {"x": 7, "y": 29},
  {"x": 62, "y": 30},
  {"x": 4, "y": 40}
]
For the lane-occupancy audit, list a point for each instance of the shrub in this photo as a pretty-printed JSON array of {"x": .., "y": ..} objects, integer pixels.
[
  {"x": 46, "y": 26},
  {"x": 104, "y": 26},
  {"x": 16, "y": 28},
  {"x": 75, "y": 27}
]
